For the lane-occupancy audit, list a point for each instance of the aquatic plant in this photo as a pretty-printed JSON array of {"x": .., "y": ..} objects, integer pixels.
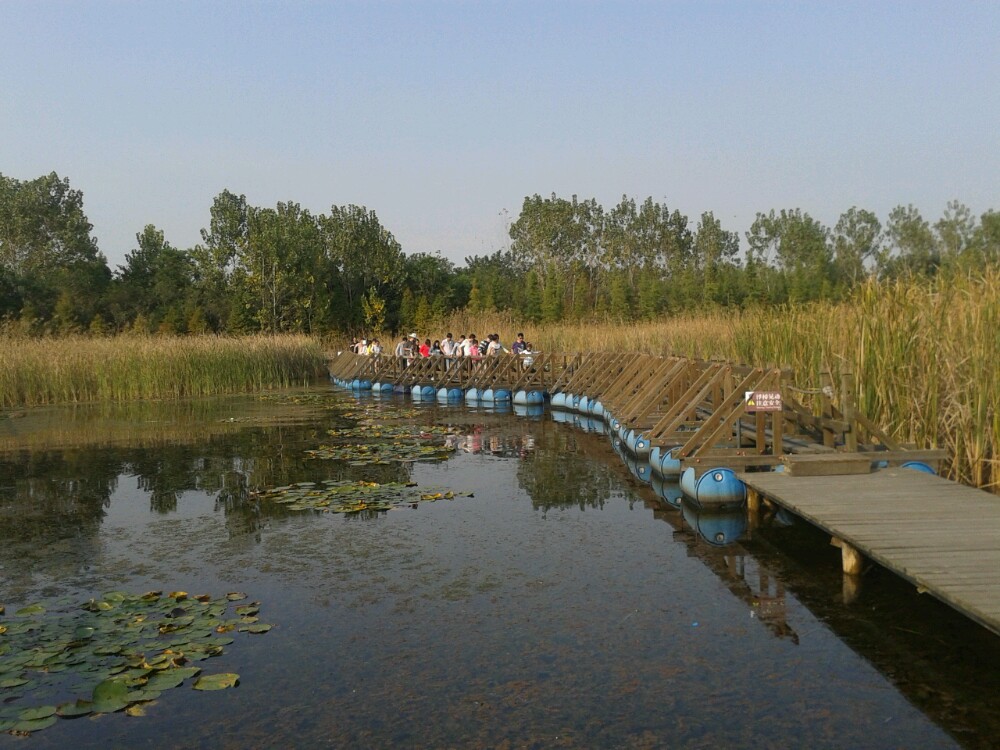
[
  {"x": 345, "y": 496},
  {"x": 77, "y": 368},
  {"x": 116, "y": 652}
]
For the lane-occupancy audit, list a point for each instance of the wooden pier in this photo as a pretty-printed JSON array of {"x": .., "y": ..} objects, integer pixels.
[
  {"x": 941, "y": 536},
  {"x": 835, "y": 468}
]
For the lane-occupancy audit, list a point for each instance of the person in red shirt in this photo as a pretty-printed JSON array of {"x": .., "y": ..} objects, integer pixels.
[{"x": 425, "y": 348}]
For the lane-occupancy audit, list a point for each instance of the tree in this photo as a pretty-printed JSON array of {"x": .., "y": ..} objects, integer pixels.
[
  {"x": 215, "y": 260},
  {"x": 797, "y": 244},
  {"x": 912, "y": 245},
  {"x": 987, "y": 238},
  {"x": 373, "y": 308},
  {"x": 285, "y": 268},
  {"x": 955, "y": 232},
  {"x": 47, "y": 249},
  {"x": 156, "y": 278},
  {"x": 360, "y": 254},
  {"x": 713, "y": 249},
  {"x": 857, "y": 243}
]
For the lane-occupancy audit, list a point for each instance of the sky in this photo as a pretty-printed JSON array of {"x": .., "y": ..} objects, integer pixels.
[{"x": 443, "y": 116}]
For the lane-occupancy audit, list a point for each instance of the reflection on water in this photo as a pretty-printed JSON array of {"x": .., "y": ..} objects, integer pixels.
[{"x": 569, "y": 603}]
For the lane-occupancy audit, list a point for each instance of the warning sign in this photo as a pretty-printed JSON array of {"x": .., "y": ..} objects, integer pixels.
[{"x": 763, "y": 400}]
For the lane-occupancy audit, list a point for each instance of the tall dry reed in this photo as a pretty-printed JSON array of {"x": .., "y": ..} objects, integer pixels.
[
  {"x": 925, "y": 355},
  {"x": 79, "y": 369}
]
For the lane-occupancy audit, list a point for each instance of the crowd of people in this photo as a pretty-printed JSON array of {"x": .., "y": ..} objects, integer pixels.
[{"x": 410, "y": 347}]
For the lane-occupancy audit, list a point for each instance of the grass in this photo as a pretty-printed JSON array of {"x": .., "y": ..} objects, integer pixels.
[{"x": 79, "y": 369}]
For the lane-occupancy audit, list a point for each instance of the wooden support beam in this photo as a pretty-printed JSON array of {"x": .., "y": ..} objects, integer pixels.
[{"x": 851, "y": 558}]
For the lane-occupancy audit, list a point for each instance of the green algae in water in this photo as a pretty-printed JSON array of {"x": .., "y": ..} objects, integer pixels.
[{"x": 112, "y": 653}]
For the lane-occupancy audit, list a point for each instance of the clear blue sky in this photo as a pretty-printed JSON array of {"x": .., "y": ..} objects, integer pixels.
[{"x": 441, "y": 116}]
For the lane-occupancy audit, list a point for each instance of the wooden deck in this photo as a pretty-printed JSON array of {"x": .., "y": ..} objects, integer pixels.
[{"x": 941, "y": 536}]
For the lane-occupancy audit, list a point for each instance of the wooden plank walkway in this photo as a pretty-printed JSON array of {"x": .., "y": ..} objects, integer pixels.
[{"x": 941, "y": 536}]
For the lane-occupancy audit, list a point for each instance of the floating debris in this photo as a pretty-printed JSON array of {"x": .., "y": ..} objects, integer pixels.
[{"x": 118, "y": 652}]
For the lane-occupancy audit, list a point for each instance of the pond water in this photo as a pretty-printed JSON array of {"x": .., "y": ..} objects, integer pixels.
[{"x": 563, "y": 604}]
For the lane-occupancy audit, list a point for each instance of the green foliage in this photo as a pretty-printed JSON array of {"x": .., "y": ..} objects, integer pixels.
[
  {"x": 284, "y": 269},
  {"x": 373, "y": 307},
  {"x": 120, "y": 651}
]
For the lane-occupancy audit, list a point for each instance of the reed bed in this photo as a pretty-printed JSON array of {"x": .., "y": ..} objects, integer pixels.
[
  {"x": 925, "y": 355},
  {"x": 126, "y": 368}
]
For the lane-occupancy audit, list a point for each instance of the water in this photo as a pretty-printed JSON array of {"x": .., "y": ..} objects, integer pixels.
[{"x": 564, "y": 605}]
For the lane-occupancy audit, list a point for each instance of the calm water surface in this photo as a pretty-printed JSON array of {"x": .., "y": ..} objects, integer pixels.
[{"x": 564, "y": 605}]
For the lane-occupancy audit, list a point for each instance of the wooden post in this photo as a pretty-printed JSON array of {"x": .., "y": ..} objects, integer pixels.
[
  {"x": 851, "y": 588},
  {"x": 826, "y": 381},
  {"x": 848, "y": 409},
  {"x": 753, "y": 508},
  {"x": 851, "y": 558}
]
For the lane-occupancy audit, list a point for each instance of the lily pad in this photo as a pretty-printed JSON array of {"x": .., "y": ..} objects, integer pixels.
[
  {"x": 217, "y": 681},
  {"x": 109, "y": 696},
  {"x": 39, "y": 712},
  {"x": 257, "y": 627},
  {"x": 170, "y": 678},
  {"x": 114, "y": 652},
  {"x": 75, "y": 708},
  {"x": 355, "y": 497},
  {"x": 34, "y": 725}
]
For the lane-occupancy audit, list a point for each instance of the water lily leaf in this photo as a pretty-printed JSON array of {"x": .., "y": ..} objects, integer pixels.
[
  {"x": 178, "y": 595},
  {"x": 31, "y": 609},
  {"x": 136, "y": 696},
  {"x": 170, "y": 678},
  {"x": 13, "y": 682},
  {"x": 257, "y": 627},
  {"x": 109, "y": 690},
  {"x": 217, "y": 681},
  {"x": 110, "y": 706},
  {"x": 40, "y": 712},
  {"x": 73, "y": 709},
  {"x": 34, "y": 725}
]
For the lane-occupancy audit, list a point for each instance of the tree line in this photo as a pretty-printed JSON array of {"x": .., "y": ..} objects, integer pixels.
[{"x": 285, "y": 269}]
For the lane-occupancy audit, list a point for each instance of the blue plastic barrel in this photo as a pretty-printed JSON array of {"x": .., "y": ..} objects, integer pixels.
[
  {"x": 918, "y": 466},
  {"x": 715, "y": 488}
]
